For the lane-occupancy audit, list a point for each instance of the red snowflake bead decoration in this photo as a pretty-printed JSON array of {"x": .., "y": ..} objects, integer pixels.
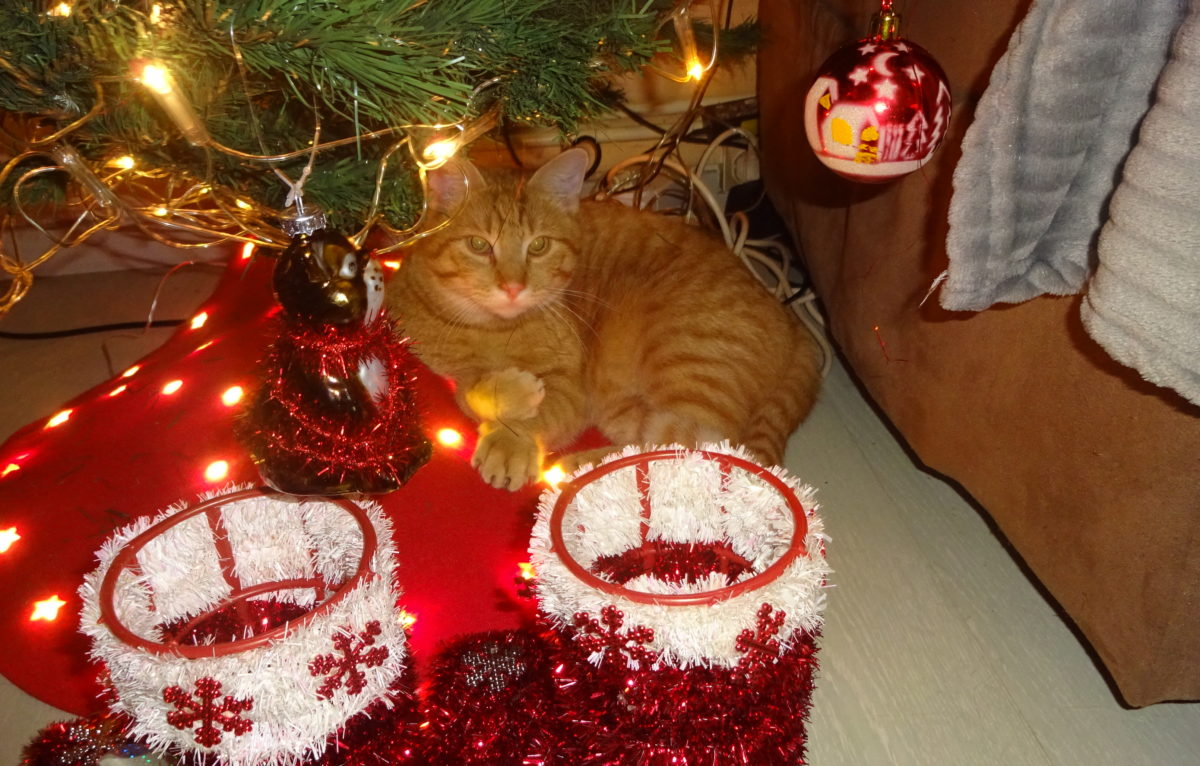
[
  {"x": 877, "y": 110},
  {"x": 353, "y": 652},
  {"x": 596, "y": 638},
  {"x": 760, "y": 645},
  {"x": 202, "y": 706}
]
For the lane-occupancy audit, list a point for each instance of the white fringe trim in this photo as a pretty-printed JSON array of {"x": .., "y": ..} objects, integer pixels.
[
  {"x": 273, "y": 538},
  {"x": 688, "y": 503}
]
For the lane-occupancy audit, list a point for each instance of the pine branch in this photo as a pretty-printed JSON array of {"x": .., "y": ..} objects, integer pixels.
[{"x": 262, "y": 73}]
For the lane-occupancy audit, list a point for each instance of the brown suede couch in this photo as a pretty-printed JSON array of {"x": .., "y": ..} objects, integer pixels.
[{"x": 1092, "y": 474}]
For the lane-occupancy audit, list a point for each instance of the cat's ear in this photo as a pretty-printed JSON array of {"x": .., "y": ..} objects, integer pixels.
[
  {"x": 561, "y": 179},
  {"x": 450, "y": 184}
]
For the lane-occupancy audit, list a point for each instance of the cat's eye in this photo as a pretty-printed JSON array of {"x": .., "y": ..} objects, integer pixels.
[
  {"x": 538, "y": 246},
  {"x": 478, "y": 245}
]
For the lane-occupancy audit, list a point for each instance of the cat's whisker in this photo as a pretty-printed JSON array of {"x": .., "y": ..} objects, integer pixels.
[
  {"x": 564, "y": 307},
  {"x": 555, "y": 311},
  {"x": 586, "y": 296},
  {"x": 456, "y": 321}
]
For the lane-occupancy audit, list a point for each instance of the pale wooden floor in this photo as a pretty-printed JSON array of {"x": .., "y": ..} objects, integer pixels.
[{"x": 938, "y": 651}]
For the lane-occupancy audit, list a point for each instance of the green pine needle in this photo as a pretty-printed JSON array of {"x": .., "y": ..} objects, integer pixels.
[{"x": 262, "y": 73}]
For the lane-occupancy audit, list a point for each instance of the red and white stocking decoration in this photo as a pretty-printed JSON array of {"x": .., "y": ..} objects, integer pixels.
[
  {"x": 249, "y": 627},
  {"x": 685, "y": 591}
]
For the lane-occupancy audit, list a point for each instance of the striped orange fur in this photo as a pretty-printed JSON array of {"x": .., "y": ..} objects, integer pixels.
[{"x": 554, "y": 314}]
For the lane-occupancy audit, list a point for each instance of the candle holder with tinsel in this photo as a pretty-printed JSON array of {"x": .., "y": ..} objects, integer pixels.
[
  {"x": 336, "y": 413},
  {"x": 879, "y": 107},
  {"x": 249, "y": 628},
  {"x": 685, "y": 591}
]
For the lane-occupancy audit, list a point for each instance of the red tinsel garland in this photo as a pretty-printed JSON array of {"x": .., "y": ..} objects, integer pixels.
[
  {"x": 83, "y": 742},
  {"x": 489, "y": 701},
  {"x": 527, "y": 698},
  {"x": 531, "y": 698},
  {"x": 611, "y": 715},
  {"x": 291, "y": 435}
]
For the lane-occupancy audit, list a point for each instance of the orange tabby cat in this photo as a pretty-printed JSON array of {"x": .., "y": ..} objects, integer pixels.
[{"x": 553, "y": 314}]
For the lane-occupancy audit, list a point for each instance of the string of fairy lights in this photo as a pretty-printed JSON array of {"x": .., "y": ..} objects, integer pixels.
[
  {"x": 192, "y": 212},
  {"x": 184, "y": 212}
]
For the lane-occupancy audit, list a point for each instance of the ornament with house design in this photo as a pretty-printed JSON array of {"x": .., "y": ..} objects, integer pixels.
[{"x": 879, "y": 107}]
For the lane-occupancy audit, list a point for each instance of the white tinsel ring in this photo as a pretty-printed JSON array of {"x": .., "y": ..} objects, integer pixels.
[
  {"x": 712, "y": 498},
  {"x": 270, "y": 697}
]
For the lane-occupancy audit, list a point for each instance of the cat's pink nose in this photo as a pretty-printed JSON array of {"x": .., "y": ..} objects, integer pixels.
[{"x": 513, "y": 289}]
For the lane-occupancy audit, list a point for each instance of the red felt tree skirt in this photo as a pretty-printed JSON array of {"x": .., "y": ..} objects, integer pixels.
[{"x": 134, "y": 446}]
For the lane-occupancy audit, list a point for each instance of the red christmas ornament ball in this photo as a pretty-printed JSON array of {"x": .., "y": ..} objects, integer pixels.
[{"x": 877, "y": 110}]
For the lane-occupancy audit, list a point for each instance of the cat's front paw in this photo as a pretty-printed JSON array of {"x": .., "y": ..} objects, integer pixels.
[
  {"x": 505, "y": 458},
  {"x": 510, "y": 394}
]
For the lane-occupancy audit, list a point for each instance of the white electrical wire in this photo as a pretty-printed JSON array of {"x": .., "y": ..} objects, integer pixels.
[{"x": 735, "y": 231}]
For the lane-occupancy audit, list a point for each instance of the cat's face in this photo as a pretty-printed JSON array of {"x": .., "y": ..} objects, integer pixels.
[{"x": 510, "y": 247}]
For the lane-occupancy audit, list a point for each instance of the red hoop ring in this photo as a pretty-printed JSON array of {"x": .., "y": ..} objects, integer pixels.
[
  {"x": 795, "y": 548},
  {"x": 125, "y": 558}
]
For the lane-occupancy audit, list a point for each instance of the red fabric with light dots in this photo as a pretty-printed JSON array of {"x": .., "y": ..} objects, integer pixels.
[{"x": 120, "y": 456}]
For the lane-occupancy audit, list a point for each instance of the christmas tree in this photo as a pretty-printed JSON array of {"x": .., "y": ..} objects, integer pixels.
[{"x": 201, "y": 121}]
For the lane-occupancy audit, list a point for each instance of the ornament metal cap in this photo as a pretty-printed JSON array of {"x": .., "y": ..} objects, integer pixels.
[
  {"x": 302, "y": 220},
  {"x": 885, "y": 25}
]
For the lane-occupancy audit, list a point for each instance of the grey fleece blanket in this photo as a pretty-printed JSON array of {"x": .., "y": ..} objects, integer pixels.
[
  {"x": 1042, "y": 156},
  {"x": 1143, "y": 304}
]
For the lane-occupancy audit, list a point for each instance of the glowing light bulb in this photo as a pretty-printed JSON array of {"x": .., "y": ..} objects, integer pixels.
[
  {"x": 243, "y": 204},
  {"x": 247, "y": 251},
  {"x": 527, "y": 571},
  {"x": 131, "y": 371},
  {"x": 47, "y": 609},
  {"x": 449, "y": 437},
  {"x": 156, "y": 78},
  {"x": 881, "y": 107},
  {"x": 406, "y": 619},
  {"x": 439, "y": 153},
  {"x": 554, "y": 475},
  {"x": 172, "y": 387},
  {"x": 62, "y": 10},
  {"x": 7, "y": 538},
  {"x": 160, "y": 211},
  {"x": 216, "y": 470},
  {"x": 695, "y": 69},
  {"x": 199, "y": 320},
  {"x": 9, "y": 469},
  {"x": 232, "y": 395},
  {"x": 124, "y": 162},
  {"x": 59, "y": 418},
  {"x": 119, "y": 389},
  {"x": 393, "y": 265}
]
